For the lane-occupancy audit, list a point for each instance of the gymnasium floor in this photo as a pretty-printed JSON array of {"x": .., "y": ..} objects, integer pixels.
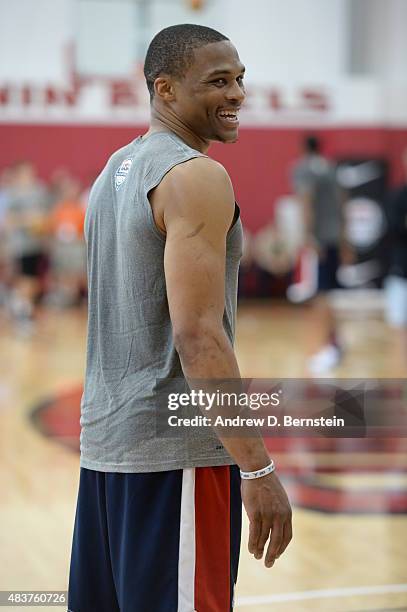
[{"x": 340, "y": 560}]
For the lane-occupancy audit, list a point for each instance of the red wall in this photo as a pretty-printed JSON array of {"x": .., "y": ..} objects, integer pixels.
[{"x": 258, "y": 164}]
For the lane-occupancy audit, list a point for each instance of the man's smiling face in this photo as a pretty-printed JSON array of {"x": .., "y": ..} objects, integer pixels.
[{"x": 208, "y": 97}]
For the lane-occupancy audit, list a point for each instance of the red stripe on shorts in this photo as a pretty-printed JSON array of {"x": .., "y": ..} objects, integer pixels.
[{"x": 212, "y": 534}]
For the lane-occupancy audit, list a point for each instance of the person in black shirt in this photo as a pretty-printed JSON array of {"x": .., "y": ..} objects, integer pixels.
[{"x": 396, "y": 282}]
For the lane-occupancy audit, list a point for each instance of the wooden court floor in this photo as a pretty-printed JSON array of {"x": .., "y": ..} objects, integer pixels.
[{"x": 337, "y": 562}]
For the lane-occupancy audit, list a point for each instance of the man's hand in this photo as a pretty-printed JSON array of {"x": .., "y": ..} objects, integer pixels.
[{"x": 269, "y": 512}]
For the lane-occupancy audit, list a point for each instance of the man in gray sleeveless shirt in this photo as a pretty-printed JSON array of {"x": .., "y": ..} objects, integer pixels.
[{"x": 158, "y": 519}]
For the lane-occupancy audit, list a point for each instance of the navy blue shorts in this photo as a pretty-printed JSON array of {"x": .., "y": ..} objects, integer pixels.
[{"x": 157, "y": 542}]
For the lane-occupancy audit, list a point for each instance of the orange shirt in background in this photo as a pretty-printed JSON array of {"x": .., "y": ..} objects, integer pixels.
[{"x": 67, "y": 220}]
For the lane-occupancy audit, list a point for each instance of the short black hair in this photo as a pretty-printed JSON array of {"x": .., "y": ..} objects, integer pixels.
[
  {"x": 172, "y": 50},
  {"x": 311, "y": 144}
]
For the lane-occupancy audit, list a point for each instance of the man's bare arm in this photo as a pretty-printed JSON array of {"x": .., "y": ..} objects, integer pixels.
[
  {"x": 198, "y": 212},
  {"x": 194, "y": 204}
]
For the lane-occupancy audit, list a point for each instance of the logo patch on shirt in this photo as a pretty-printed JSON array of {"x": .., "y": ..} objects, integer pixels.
[{"x": 122, "y": 172}]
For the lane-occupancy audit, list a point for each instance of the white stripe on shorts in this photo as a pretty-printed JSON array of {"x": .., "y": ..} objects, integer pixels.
[{"x": 186, "y": 559}]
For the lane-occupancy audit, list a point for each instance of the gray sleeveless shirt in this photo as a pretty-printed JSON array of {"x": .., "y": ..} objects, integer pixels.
[{"x": 130, "y": 347}]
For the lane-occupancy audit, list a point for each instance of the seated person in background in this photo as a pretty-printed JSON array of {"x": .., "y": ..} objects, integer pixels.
[
  {"x": 68, "y": 252},
  {"x": 26, "y": 230}
]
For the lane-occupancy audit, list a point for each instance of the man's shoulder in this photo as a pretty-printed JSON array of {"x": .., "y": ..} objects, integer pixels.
[
  {"x": 199, "y": 173},
  {"x": 198, "y": 188}
]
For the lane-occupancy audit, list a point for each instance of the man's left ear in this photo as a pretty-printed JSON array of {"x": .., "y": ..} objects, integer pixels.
[{"x": 164, "y": 88}]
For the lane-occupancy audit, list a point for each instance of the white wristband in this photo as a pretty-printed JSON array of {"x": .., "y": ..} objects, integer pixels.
[{"x": 258, "y": 473}]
